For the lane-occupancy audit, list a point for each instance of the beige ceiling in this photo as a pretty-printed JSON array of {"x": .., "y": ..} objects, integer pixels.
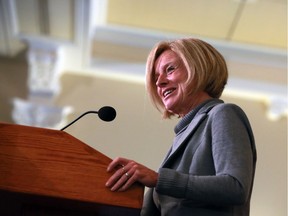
[{"x": 257, "y": 22}]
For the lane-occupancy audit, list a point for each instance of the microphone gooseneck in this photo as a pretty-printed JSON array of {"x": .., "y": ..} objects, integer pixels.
[{"x": 105, "y": 113}]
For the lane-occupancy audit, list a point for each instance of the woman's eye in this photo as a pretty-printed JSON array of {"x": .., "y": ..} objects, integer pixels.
[{"x": 170, "y": 69}]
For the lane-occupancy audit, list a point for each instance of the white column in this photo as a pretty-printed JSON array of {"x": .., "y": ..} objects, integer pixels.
[
  {"x": 44, "y": 63},
  {"x": 44, "y": 69}
]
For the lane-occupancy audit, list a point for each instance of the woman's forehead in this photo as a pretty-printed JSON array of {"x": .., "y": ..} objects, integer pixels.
[{"x": 166, "y": 58}]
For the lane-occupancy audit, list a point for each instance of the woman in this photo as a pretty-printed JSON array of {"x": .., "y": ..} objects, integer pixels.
[{"x": 210, "y": 167}]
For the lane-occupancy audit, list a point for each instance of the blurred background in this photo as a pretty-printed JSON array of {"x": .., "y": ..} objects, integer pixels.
[{"x": 59, "y": 59}]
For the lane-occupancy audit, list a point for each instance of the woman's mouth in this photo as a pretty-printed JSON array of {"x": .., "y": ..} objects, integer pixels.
[{"x": 167, "y": 92}]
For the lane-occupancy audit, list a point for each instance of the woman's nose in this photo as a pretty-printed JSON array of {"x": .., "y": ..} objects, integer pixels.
[{"x": 161, "y": 80}]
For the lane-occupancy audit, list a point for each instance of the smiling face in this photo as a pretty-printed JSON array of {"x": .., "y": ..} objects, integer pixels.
[
  {"x": 170, "y": 77},
  {"x": 183, "y": 73}
]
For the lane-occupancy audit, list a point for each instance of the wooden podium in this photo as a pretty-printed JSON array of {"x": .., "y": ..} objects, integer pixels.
[{"x": 50, "y": 173}]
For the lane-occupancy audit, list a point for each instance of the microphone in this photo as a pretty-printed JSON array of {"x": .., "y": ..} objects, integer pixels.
[{"x": 106, "y": 113}]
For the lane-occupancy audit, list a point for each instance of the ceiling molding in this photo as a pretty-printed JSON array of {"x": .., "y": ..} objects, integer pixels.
[
  {"x": 141, "y": 38},
  {"x": 272, "y": 95}
]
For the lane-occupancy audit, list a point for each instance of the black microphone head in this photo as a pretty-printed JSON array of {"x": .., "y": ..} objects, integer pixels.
[{"x": 107, "y": 113}]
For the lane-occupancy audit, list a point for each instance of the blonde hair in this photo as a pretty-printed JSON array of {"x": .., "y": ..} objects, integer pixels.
[{"x": 206, "y": 67}]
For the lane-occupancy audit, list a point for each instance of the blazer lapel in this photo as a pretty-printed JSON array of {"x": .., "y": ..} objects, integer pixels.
[{"x": 190, "y": 130}]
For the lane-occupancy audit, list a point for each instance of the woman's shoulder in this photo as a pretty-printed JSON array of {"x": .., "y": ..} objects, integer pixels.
[
  {"x": 227, "y": 107},
  {"x": 219, "y": 109},
  {"x": 228, "y": 111}
]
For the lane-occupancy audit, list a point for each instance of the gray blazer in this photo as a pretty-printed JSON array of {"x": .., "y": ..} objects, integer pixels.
[{"x": 212, "y": 171}]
